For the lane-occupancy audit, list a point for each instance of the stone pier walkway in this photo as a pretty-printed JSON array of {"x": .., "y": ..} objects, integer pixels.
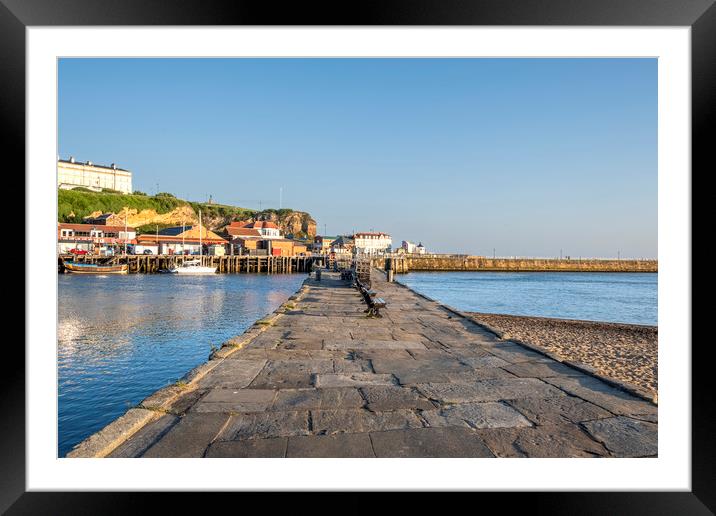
[{"x": 323, "y": 380}]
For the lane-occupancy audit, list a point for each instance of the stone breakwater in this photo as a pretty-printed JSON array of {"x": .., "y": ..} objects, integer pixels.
[
  {"x": 319, "y": 378},
  {"x": 480, "y": 263},
  {"x": 625, "y": 352}
]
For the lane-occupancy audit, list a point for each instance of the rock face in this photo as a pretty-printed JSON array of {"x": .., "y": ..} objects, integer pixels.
[
  {"x": 290, "y": 222},
  {"x": 135, "y": 218}
]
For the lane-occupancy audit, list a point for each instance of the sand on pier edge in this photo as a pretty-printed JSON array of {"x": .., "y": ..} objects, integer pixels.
[{"x": 626, "y": 352}]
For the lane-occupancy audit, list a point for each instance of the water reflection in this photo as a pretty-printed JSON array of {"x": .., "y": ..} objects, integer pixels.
[{"x": 122, "y": 337}]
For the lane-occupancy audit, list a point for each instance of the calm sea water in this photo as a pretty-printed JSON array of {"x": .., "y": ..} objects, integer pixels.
[
  {"x": 612, "y": 297},
  {"x": 120, "y": 338}
]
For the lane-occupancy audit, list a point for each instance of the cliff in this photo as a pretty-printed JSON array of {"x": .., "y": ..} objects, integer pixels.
[{"x": 145, "y": 212}]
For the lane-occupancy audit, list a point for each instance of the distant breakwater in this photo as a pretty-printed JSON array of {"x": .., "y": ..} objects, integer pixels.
[{"x": 437, "y": 262}]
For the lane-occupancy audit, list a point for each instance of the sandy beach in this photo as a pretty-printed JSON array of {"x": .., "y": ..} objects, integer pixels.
[{"x": 626, "y": 352}]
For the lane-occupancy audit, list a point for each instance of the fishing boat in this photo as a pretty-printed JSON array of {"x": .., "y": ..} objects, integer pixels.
[
  {"x": 92, "y": 268},
  {"x": 193, "y": 266}
]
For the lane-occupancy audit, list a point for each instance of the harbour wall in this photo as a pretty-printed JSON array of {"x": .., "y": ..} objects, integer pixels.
[{"x": 401, "y": 265}]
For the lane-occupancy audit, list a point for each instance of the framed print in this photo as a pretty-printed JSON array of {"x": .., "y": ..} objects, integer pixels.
[{"x": 424, "y": 247}]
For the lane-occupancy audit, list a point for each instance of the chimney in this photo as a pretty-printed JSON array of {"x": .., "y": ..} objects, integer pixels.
[
  {"x": 89, "y": 163},
  {"x": 72, "y": 159},
  {"x": 114, "y": 166}
]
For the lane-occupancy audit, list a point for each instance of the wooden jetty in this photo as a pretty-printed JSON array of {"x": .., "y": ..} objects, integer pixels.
[{"x": 150, "y": 263}]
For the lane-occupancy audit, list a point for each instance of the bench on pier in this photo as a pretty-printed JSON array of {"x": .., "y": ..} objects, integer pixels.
[{"x": 369, "y": 296}]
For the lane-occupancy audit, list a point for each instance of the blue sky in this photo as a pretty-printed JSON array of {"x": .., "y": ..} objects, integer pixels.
[{"x": 524, "y": 156}]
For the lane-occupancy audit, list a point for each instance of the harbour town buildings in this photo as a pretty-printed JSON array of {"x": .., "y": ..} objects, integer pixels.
[
  {"x": 92, "y": 237},
  {"x": 372, "y": 243},
  {"x": 73, "y": 174},
  {"x": 411, "y": 248}
]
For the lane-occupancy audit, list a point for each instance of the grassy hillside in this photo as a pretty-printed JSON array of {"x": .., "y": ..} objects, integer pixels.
[{"x": 73, "y": 205}]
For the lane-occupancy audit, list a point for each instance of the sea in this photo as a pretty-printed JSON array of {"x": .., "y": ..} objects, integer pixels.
[{"x": 622, "y": 297}]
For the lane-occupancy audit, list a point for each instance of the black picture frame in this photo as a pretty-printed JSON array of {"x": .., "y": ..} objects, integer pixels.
[{"x": 700, "y": 15}]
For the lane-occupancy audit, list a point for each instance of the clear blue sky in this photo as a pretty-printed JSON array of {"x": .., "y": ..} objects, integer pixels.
[{"x": 526, "y": 156}]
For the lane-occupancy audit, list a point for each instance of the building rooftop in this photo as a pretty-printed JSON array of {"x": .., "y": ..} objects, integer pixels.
[
  {"x": 87, "y": 227},
  {"x": 72, "y": 161},
  {"x": 370, "y": 233}
]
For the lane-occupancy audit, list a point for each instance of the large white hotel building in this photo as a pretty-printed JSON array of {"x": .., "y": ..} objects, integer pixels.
[{"x": 71, "y": 174}]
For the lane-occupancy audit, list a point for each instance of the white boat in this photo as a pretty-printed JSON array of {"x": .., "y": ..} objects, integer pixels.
[{"x": 194, "y": 266}]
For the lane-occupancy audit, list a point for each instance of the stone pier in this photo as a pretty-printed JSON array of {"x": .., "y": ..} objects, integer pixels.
[{"x": 321, "y": 379}]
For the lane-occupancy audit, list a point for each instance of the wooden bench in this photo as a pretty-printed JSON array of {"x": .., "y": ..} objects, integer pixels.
[{"x": 369, "y": 296}]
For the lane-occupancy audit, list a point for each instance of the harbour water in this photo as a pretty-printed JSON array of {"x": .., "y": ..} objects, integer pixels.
[
  {"x": 609, "y": 297},
  {"x": 120, "y": 338}
]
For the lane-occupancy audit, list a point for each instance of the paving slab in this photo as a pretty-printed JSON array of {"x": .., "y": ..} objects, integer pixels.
[
  {"x": 140, "y": 442},
  {"x": 558, "y": 410},
  {"x": 548, "y": 441},
  {"x": 496, "y": 389},
  {"x": 353, "y": 379},
  {"x": 232, "y": 374},
  {"x": 541, "y": 369},
  {"x": 380, "y": 398},
  {"x": 600, "y": 393},
  {"x": 429, "y": 442},
  {"x": 190, "y": 437},
  {"x": 250, "y": 448},
  {"x": 305, "y": 399},
  {"x": 625, "y": 436},
  {"x": 235, "y": 400},
  {"x": 362, "y": 420},
  {"x": 335, "y": 446},
  {"x": 266, "y": 424},
  {"x": 476, "y": 415}
]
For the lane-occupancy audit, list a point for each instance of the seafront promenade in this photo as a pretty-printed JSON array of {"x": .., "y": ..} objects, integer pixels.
[{"x": 318, "y": 378}]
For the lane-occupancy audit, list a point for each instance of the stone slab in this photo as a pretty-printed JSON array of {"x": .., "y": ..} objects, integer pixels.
[
  {"x": 306, "y": 399},
  {"x": 232, "y": 374},
  {"x": 476, "y": 415},
  {"x": 140, "y": 442},
  {"x": 373, "y": 344},
  {"x": 361, "y": 420},
  {"x": 625, "y": 436},
  {"x": 489, "y": 390},
  {"x": 353, "y": 379},
  {"x": 330, "y": 446},
  {"x": 548, "y": 441},
  {"x": 598, "y": 392},
  {"x": 541, "y": 369},
  {"x": 266, "y": 424},
  {"x": 514, "y": 353},
  {"x": 190, "y": 437},
  {"x": 429, "y": 442},
  {"x": 558, "y": 410},
  {"x": 235, "y": 400},
  {"x": 250, "y": 448},
  {"x": 380, "y": 398}
]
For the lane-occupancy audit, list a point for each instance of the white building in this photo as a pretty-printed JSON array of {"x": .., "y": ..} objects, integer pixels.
[
  {"x": 71, "y": 174},
  {"x": 90, "y": 237},
  {"x": 372, "y": 243},
  {"x": 411, "y": 248}
]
